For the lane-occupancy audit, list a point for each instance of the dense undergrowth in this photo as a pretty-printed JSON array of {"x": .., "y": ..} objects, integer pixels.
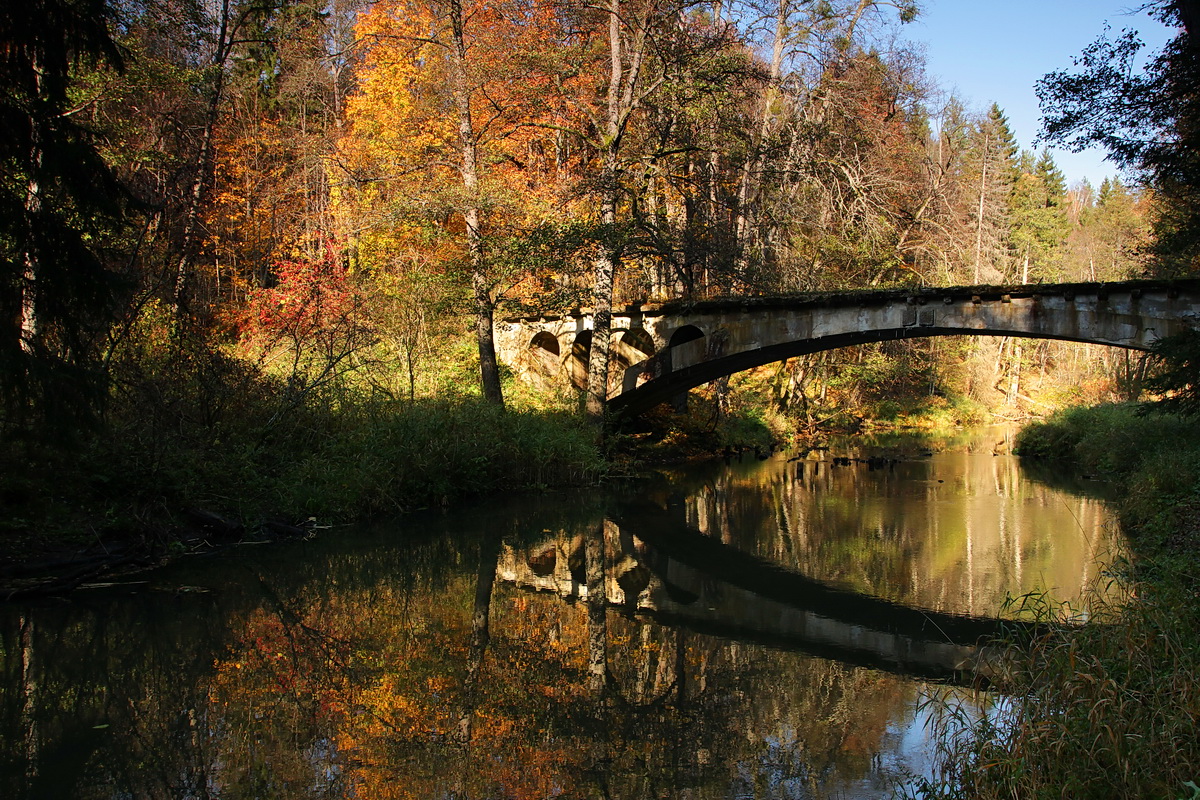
[
  {"x": 212, "y": 433},
  {"x": 1109, "y": 710}
]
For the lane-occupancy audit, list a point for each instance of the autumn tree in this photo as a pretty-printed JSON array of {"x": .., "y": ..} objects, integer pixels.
[
  {"x": 633, "y": 118},
  {"x": 442, "y": 138},
  {"x": 819, "y": 195},
  {"x": 270, "y": 193}
]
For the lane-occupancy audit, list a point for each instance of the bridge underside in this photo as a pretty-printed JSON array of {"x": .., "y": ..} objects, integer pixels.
[
  {"x": 660, "y": 351},
  {"x": 642, "y": 394}
]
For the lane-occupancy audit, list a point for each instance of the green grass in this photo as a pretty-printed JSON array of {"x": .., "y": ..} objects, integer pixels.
[
  {"x": 208, "y": 431},
  {"x": 433, "y": 453}
]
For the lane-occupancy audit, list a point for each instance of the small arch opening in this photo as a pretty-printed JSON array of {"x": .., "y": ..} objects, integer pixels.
[
  {"x": 631, "y": 347},
  {"x": 684, "y": 334},
  {"x": 638, "y": 339},
  {"x": 544, "y": 350},
  {"x": 544, "y": 340}
]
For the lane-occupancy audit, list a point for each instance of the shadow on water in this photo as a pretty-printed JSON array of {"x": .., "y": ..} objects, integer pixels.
[
  {"x": 702, "y": 634},
  {"x": 1068, "y": 481}
]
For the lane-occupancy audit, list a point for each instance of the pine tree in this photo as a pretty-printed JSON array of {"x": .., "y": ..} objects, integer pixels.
[
  {"x": 58, "y": 201},
  {"x": 993, "y": 171}
]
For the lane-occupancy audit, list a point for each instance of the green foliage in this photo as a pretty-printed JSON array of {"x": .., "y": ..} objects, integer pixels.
[
  {"x": 1146, "y": 117},
  {"x": 1039, "y": 224},
  {"x": 1110, "y": 439},
  {"x": 1178, "y": 375}
]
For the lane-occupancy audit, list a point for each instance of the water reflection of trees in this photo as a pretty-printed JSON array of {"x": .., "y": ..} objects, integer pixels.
[
  {"x": 958, "y": 532},
  {"x": 315, "y": 684},
  {"x": 343, "y": 669}
]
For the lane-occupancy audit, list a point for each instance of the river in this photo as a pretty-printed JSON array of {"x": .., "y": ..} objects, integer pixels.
[{"x": 771, "y": 628}]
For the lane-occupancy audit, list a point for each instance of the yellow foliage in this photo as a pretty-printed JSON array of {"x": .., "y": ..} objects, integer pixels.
[{"x": 402, "y": 191}]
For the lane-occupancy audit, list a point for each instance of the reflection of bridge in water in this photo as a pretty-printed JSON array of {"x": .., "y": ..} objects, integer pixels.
[{"x": 658, "y": 567}]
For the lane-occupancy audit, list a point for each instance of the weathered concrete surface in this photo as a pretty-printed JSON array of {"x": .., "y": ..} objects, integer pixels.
[{"x": 661, "y": 350}]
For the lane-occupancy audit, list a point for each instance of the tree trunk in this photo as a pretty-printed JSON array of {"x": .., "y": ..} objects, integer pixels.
[
  {"x": 204, "y": 165},
  {"x": 602, "y": 294},
  {"x": 979, "y": 213},
  {"x": 606, "y": 261},
  {"x": 597, "y": 608},
  {"x": 1014, "y": 383},
  {"x": 752, "y": 167},
  {"x": 489, "y": 371},
  {"x": 29, "y": 283}
]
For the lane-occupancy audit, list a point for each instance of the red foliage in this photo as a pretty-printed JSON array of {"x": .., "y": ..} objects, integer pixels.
[{"x": 310, "y": 299}]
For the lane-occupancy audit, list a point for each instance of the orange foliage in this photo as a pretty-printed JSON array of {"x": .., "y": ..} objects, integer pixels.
[{"x": 402, "y": 144}]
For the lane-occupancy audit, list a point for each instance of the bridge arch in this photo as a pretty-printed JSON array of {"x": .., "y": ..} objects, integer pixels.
[
  {"x": 638, "y": 339},
  {"x": 673, "y": 380},
  {"x": 545, "y": 352}
]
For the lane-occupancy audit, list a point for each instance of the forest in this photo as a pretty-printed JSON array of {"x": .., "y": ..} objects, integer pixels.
[
  {"x": 253, "y": 254},
  {"x": 246, "y": 241}
]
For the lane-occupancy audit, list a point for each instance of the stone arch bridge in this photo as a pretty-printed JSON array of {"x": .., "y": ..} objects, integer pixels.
[{"x": 661, "y": 350}]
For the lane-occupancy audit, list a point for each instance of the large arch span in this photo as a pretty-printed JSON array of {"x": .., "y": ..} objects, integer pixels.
[{"x": 664, "y": 349}]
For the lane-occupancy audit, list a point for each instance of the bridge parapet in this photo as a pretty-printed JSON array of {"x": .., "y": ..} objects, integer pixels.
[{"x": 681, "y": 345}]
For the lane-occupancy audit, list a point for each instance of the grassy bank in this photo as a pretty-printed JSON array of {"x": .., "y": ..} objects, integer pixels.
[
  {"x": 243, "y": 448},
  {"x": 1109, "y": 710}
]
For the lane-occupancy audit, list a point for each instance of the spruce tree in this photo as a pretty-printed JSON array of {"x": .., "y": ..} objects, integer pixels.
[
  {"x": 993, "y": 173},
  {"x": 58, "y": 201},
  {"x": 1038, "y": 219}
]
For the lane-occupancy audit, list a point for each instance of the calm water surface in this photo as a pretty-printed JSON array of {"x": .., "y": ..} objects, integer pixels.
[{"x": 762, "y": 625}]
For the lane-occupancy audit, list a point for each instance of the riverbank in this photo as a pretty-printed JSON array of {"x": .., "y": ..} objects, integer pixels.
[
  {"x": 1110, "y": 710},
  {"x": 139, "y": 491}
]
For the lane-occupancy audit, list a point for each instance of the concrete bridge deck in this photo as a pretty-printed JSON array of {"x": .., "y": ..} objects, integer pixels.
[{"x": 659, "y": 350}]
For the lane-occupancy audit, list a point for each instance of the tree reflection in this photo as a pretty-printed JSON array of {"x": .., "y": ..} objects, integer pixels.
[
  {"x": 533, "y": 655},
  {"x": 363, "y": 692}
]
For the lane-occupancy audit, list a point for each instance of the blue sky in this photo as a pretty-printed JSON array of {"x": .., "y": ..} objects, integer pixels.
[{"x": 987, "y": 52}]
